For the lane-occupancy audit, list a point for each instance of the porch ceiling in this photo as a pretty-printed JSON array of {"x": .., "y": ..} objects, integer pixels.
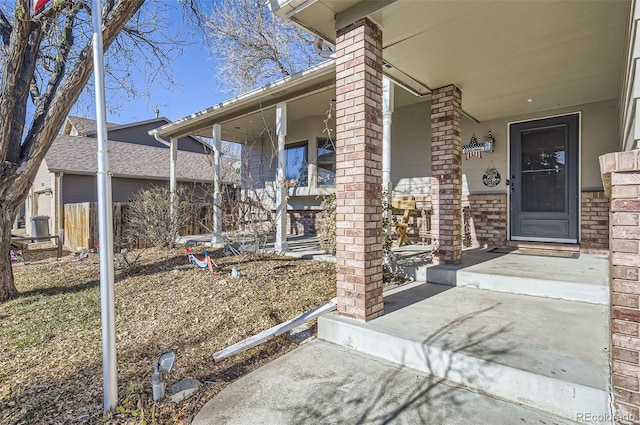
[
  {"x": 558, "y": 53},
  {"x": 246, "y": 128}
]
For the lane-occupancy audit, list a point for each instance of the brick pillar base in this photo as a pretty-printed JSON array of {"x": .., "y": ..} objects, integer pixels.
[
  {"x": 359, "y": 170},
  {"x": 446, "y": 174},
  {"x": 621, "y": 174}
]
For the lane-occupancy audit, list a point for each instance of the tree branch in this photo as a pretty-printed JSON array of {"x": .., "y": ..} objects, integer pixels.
[
  {"x": 16, "y": 79},
  {"x": 5, "y": 29},
  {"x": 40, "y": 137},
  {"x": 60, "y": 67}
]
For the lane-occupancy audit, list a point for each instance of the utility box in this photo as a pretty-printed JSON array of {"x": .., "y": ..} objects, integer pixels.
[{"x": 40, "y": 226}]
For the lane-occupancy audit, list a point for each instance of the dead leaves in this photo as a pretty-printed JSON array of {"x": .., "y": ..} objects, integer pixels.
[{"x": 51, "y": 366}]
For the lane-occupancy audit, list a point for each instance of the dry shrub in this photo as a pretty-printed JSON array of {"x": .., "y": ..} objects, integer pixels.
[{"x": 152, "y": 219}]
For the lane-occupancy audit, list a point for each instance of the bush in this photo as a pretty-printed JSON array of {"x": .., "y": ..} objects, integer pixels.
[{"x": 151, "y": 218}]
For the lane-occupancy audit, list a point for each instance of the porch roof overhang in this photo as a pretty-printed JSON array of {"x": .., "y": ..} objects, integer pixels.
[
  {"x": 311, "y": 86},
  {"x": 500, "y": 54}
]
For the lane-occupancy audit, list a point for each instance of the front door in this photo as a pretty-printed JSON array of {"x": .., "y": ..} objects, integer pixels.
[{"x": 544, "y": 180}]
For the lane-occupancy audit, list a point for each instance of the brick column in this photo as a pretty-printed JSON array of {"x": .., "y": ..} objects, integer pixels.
[
  {"x": 621, "y": 174},
  {"x": 446, "y": 174},
  {"x": 359, "y": 170}
]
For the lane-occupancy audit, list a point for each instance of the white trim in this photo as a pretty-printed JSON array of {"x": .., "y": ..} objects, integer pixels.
[{"x": 579, "y": 207}]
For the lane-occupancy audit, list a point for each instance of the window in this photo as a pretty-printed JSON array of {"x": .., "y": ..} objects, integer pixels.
[
  {"x": 295, "y": 163},
  {"x": 326, "y": 162}
]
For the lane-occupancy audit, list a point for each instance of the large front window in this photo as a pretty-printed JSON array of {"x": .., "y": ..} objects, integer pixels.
[
  {"x": 326, "y": 162},
  {"x": 295, "y": 164}
]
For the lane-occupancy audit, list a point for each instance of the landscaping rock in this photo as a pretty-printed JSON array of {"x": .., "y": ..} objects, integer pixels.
[{"x": 183, "y": 389}]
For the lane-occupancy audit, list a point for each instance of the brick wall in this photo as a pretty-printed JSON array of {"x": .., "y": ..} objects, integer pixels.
[
  {"x": 621, "y": 174},
  {"x": 446, "y": 174},
  {"x": 488, "y": 221},
  {"x": 303, "y": 222},
  {"x": 594, "y": 221},
  {"x": 359, "y": 170}
]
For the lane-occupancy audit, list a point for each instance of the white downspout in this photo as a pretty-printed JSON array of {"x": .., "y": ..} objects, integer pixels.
[{"x": 322, "y": 49}]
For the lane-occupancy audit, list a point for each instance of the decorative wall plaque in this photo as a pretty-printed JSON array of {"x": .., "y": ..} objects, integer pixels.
[{"x": 491, "y": 176}]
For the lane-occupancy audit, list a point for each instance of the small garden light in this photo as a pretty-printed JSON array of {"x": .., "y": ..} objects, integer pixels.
[{"x": 165, "y": 364}]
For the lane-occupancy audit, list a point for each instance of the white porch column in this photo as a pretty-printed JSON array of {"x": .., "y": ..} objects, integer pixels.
[
  {"x": 173, "y": 147},
  {"x": 217, "y": 201},
  {"x": 281, "y": 190},
  {"x": 387, "y": 111}
]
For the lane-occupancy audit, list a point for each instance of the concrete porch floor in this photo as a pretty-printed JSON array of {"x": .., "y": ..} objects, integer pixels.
[{"x": 548, "y": 352}]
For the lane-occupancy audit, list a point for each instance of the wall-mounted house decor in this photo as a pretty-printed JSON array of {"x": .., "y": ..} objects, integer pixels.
[
  {"x": 475, "y": 149},
  {"x": 491, "y": 176}
]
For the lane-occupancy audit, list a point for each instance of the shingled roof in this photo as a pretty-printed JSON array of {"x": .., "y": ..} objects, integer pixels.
[
  {"x": 77, "y": 155},
  {"x": 82, "y": 126}
]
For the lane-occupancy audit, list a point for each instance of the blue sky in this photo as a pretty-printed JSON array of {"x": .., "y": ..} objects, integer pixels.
[{"x": 193, "y": 71}]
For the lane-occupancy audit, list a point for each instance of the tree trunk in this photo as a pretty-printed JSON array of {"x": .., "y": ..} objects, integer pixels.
[{"x": 7, "y": 287}]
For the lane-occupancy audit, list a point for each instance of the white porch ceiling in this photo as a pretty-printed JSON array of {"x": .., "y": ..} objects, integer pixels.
[{"x": 500, "y": 53}]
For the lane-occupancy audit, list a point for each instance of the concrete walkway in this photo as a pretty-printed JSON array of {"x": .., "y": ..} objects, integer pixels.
[{"x": 322, "y": 383}]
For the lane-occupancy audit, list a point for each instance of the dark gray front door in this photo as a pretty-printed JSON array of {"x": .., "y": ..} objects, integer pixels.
[{"x": 544, "y": 180}]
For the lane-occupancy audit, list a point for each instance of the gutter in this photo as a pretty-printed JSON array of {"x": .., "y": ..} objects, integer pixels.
[
  {"x": 154, "y": 133},
  {"x": 181, "y": 127}
]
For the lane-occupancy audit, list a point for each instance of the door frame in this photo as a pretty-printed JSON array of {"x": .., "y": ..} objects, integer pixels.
[{"x": 579, "y": 171}]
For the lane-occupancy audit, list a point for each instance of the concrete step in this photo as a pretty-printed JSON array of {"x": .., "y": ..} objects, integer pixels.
[
  {"x": 547, "y": 354},
  {"x": 584, "y": 279},
  {"x": 322, "y": 383}
]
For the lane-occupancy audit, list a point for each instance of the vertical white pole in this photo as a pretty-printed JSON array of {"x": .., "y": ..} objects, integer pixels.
[
  {"x": 281, "y": 190},
  {"x": 105, "y": 222},
  {"x": 173, "y": 147},
  {"x": 387, "y": 111},
  {"x": 217, "y": 201}
]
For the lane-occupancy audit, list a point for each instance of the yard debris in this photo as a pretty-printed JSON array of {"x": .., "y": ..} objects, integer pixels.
[
  {"x": 274, "y": 331},
  {"x": 51, "y": 339}
]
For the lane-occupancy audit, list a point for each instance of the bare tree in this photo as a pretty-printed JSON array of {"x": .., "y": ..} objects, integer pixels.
[
  {"x": 254, "y": 47},
  {"x": 46, "y": 63}
]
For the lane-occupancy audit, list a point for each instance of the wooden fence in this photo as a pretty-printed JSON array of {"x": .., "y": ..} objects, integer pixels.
[{"x": 81, "y": 223}]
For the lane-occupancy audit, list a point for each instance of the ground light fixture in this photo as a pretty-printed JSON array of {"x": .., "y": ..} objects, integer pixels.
[{"x": 165, "y": 364}]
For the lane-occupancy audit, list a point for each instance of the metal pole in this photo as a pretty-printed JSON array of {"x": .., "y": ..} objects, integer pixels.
[{"x": 105, "y": 222}]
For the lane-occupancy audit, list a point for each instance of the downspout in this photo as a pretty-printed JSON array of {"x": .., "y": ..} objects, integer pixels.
[
  {"x": 160, "y": 139},
  {"x": 322, "y": 49}
]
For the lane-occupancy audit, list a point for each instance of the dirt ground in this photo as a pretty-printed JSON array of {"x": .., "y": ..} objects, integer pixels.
[{"x": 51, "y": 361}]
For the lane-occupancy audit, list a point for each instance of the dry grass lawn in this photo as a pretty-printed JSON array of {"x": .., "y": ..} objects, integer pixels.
[{"x": 51, "y": 361}]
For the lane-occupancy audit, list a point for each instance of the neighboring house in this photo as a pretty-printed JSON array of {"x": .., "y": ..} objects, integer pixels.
[
  {"x": 137, "y": 161},
  {"x": 554, "y": 82}
]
